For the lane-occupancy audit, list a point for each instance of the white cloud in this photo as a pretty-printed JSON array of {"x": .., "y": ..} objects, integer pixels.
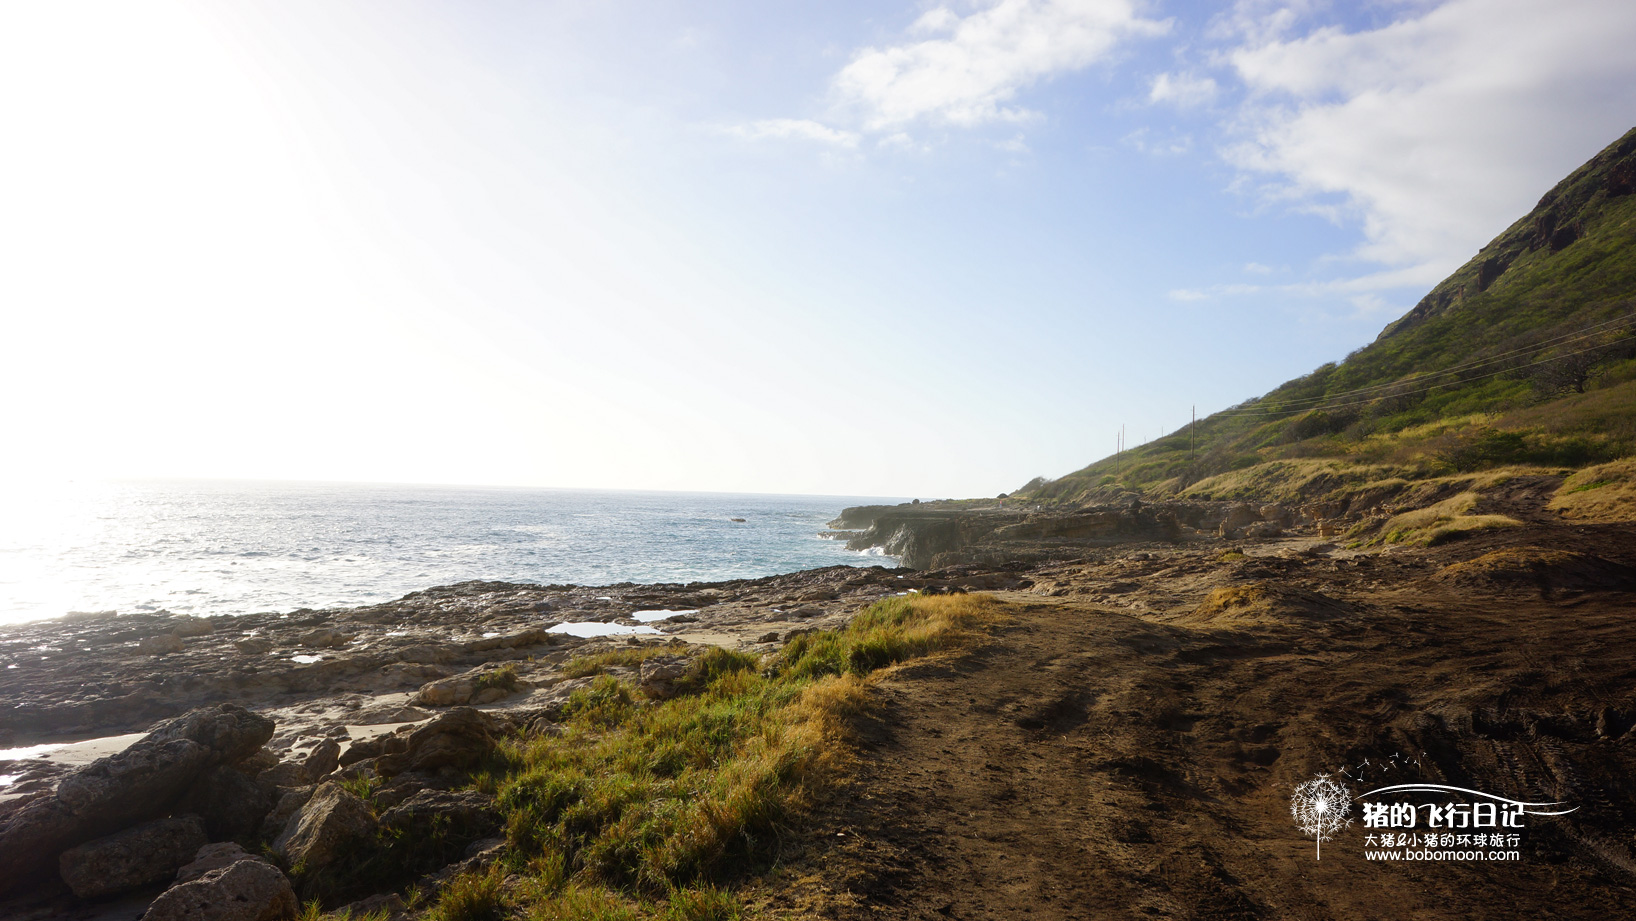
[
  {"x": 1260, "y": 21},
  {"x": 1172, "y": 146},
  {"x": 973, "y": 68},
  {"x": 800, "y": 129},
  {"x": 1256, "y": 268},
  {"x": 1435, "y": 131},
  {"x": 1182, "y": 90}
]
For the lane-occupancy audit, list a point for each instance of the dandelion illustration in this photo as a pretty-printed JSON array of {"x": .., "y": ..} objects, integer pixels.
[{"x": 1321, "y": 808}]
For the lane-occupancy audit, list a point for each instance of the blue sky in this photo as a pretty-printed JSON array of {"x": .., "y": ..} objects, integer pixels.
[{"x": 866, "y": 249}]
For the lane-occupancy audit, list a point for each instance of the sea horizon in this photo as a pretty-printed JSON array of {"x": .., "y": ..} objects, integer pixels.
[{"x": 209, "y": 546}]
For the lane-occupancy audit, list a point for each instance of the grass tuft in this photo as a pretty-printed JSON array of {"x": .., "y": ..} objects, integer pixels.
[
  {"x": 472, "y": 897},
  {"x": 653, "y": 808},
  {"x": 504, "y": 678},
  {"x": 1441, "y": 522},
  {"x": 1602, "y": 493},
  {"x": 599, "y": 663}
]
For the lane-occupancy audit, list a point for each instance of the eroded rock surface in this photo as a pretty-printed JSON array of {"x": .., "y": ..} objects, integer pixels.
[
  {"x": 331, "y": 821},
  {"x": 140, "y": 783},
  {"x": 247, "y": 890},
  {"x": 133, "y": 858}
]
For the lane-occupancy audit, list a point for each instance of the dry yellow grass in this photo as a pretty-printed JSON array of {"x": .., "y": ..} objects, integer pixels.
[
  {"x": 641, "y": 808},
  {"x": 1441, "y": 521},
  {"x": 1259, "y": 603},
  {"x": 1511, "y": 562},
  {"x": 1292, "y": 480},
  {"x": 1606, "y": 492}
]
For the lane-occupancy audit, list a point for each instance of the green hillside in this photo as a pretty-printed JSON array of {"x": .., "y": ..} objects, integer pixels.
[{"x": 1524, "y": 356}]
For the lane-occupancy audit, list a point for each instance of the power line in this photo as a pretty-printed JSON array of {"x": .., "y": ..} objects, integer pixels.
[
  {"x": 1593, "y": 330},
  {"x": 1279, "y": 412}
]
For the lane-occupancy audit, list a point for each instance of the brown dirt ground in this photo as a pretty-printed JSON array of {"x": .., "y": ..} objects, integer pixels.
[{"x": 1127, "y": 749}]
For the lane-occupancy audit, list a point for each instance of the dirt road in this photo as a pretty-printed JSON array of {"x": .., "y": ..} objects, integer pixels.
[{"x": 1127, "y": 746}]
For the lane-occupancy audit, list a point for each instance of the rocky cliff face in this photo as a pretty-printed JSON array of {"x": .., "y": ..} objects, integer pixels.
[
  {"x": 938, "y": 535},
  {"x": 1562, "y": 217},
  {"x": 928, "y": 537}
]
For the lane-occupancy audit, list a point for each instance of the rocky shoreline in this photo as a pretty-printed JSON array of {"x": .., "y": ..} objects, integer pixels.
[
  {"x": 265, "y": 733},
  {"x": 401, "y": 692},
  {"x": 934, "y": 535}
]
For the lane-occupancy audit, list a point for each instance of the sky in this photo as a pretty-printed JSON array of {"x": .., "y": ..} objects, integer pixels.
[{"x": 903, "y": 249}]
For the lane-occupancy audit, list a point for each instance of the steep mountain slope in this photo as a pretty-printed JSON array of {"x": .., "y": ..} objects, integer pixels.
[{"x": 1525, "y": 355}]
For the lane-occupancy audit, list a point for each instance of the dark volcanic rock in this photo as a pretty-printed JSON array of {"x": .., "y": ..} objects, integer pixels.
[
  {"x": 229, "y": 732},
  {"x": 140, "y": 783},
  {"x": 231, "y": 804},
  {"x": 218, "y": 856},
  {"x": 323, "y": 759},
  {"x": 458, "y": 739},
  {"x": 133, "y": 858},
  {"x": 249, "y": 890},
  {"x": 464, "y": 815},
  {"x": 330, "y": 822},
  {"x": 931, "y": 536}
]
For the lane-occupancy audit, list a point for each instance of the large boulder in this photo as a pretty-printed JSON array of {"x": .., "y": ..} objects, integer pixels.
[
  {"x": 285, "y": 774},
  {"x": 132, "y": 858},
  {"x": 139, "y": 784},
  {"x": 218, "y": 856},
  {"x": 446, "y": 692},
  {"x": 660, "y": 675},
  {"x": 459, "y": 738},
  {"x": 481, "y": 685},
  {"x": 247, "y": 890},
  {"x": 467, "y": 815},
  {"x": 327, "y": 826},
  {"x": 290, "y": 801},
  {"x": 231, "y": 804},
  {"x": 229, "y": 731},
  {"x": 324, "y": 758},
  {"x": 1237, "y": 517}
]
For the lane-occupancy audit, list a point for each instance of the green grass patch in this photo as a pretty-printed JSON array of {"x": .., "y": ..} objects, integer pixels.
[
  {"x": 654, "y": 808},
  {"x": 504, "y": 678},
  {"x": 599, "y": 663}
]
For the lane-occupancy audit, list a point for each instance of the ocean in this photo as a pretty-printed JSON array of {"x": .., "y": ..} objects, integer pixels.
[{"x": 221, "y": 547}]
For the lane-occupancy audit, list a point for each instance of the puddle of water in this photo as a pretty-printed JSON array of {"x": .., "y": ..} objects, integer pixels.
[
  {"x": 648, "y": 617},
  {"x": 592, "y": 628},
  {"x": 305, "y": 659}
]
